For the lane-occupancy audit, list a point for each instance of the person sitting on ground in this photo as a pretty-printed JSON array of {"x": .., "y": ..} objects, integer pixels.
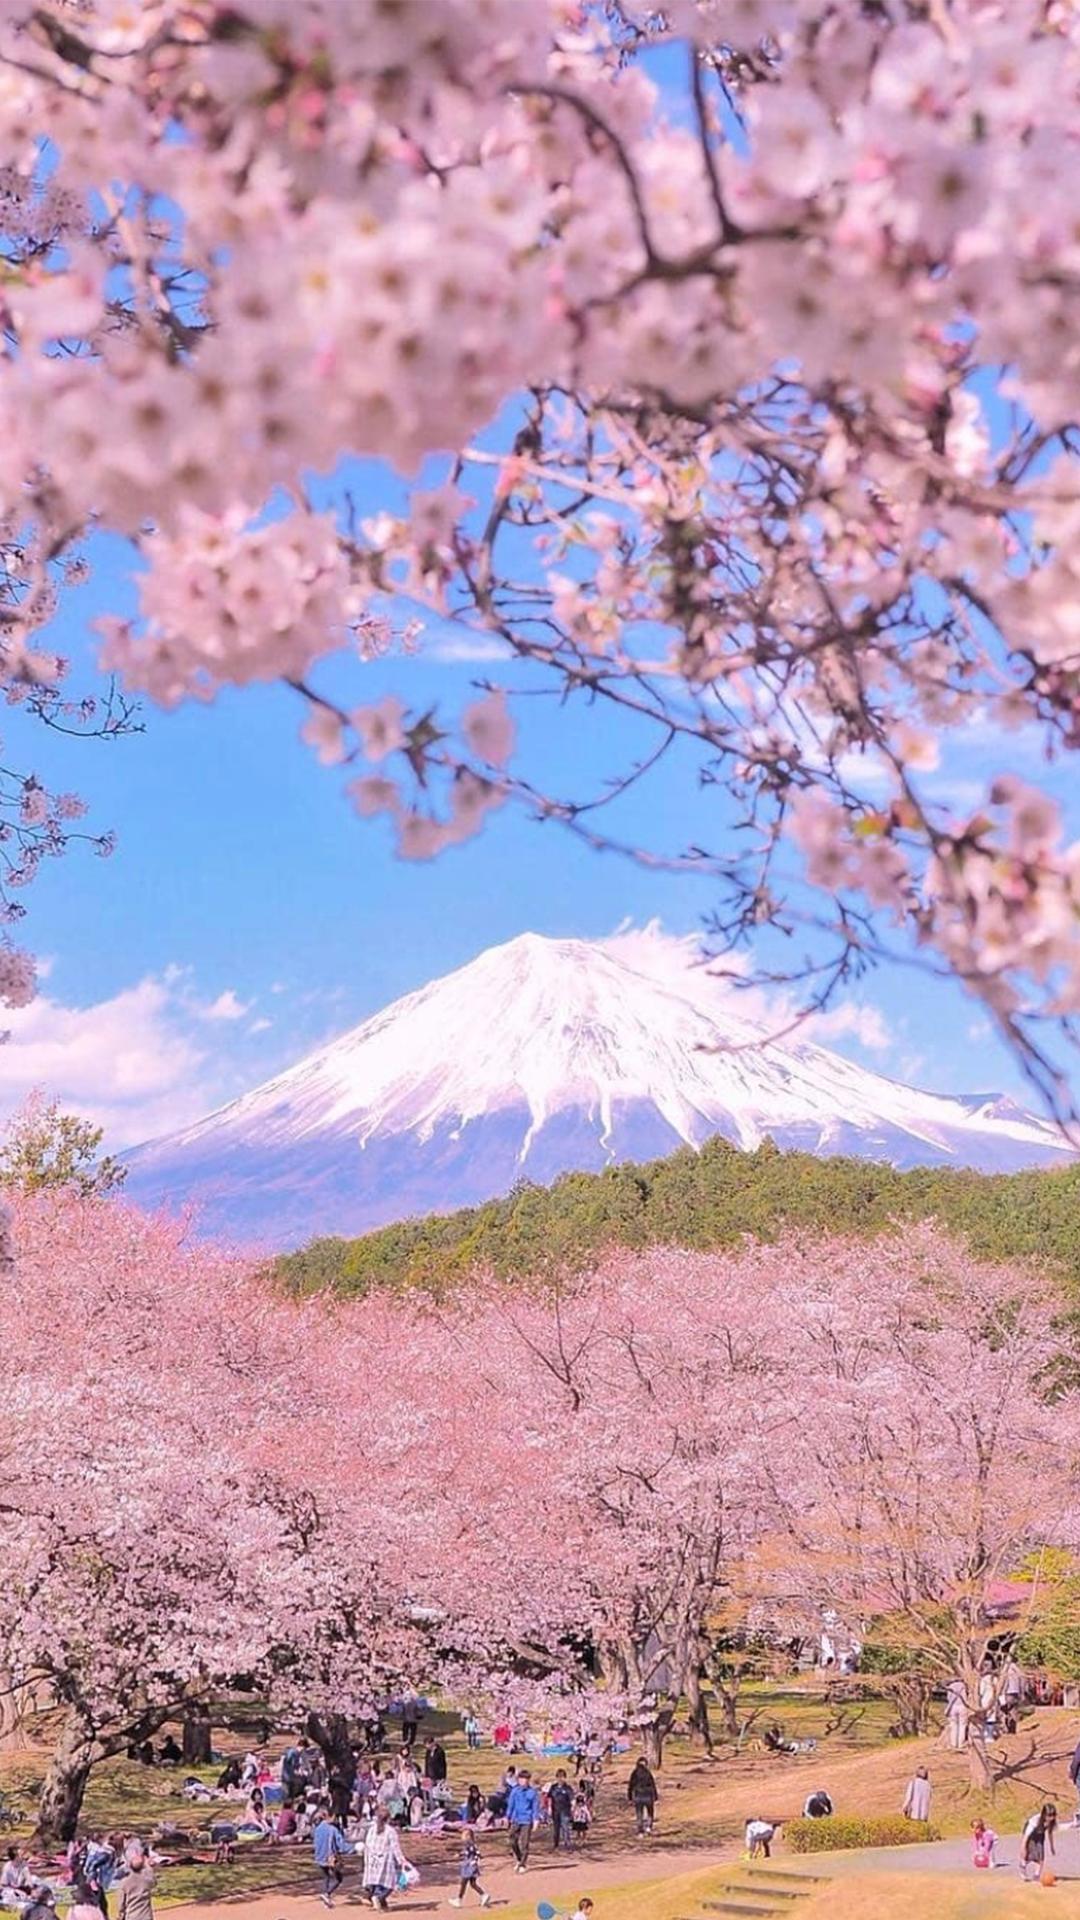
[
  {"x": 229, "y": 1777},
  {"x": 818, "y": 1805},
  {"x": 170, "y": 1755},
  {"x": 473, "y": 1805},
  {"x": 760, "y": 1835},
  {"x": 773, "y": 1739},
  {"x": 583, "y": 1910},
  {"x": 15, "y": 1875},
  {"x": 917, "y": 1797},
  {"x": 983, "y": 1842},
  {"x": 469, "y": 1873},
  {"x": 255, "y": 1812},
  {"x": 43, "y": 1904},
  {"x": 285, "y": 1826}
]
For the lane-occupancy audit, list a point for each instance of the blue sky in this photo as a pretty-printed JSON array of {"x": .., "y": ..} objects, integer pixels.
[{"x": 247, "y": 914}]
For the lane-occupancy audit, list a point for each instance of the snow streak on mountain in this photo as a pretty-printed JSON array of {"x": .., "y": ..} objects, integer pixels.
[{"x": 539, "y": 1057}]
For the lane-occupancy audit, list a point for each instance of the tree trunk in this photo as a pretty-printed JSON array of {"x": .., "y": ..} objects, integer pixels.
[
  {"x": 700, "y": 1731},
  {"x": 330, "y": 1733},
  {"x": 654, "y": 1735},
  {"x": 197, "y": 1739},
  {"x": 64, "y": 1784},
  {"x": 979, "y": 1762}
]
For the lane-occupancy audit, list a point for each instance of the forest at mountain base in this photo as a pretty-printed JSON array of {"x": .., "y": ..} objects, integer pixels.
[{"x": 703, "y": 1200}]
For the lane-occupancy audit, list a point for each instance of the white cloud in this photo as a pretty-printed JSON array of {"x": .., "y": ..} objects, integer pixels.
[
  {"x": 227, "y": 1006},
  {"x": 853, "y": 1020},
  {"x": 262, "y": 1025},
  {"x": 128, "y": 1063},
  {"x": 467, "y": 650}
]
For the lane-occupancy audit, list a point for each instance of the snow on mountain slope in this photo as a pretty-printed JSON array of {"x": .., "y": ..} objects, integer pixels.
[{"x": 538, "y": 1057}]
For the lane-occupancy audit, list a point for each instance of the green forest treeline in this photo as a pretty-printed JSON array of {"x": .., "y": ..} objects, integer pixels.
[{"x": 706, "y": 1199}]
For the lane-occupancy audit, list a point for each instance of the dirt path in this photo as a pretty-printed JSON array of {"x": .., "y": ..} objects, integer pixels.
[{"x": 558, "y": 1879}]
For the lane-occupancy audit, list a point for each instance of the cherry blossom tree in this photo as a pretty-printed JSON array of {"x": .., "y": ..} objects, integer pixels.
[
  {"x": 931, "y": 1486},
  {"x": 886, "y": 1430},
  {"x": 182, "y": 1510},
  {"x": 733, "y": 346},
  {"x": 631, "y": 1425}
]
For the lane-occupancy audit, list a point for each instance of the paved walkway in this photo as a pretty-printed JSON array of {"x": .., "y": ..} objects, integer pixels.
[{"x": 558, "y": 1878}]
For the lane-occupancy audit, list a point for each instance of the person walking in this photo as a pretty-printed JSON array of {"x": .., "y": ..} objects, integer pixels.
[
  {"x": 522, "y": 1815},
  {"x": 580, "y": 1816},
  {"x": 329, "y": 1846},
  {"x": 137, "y": 1885},
  {"x": 469, "y": 1873},
  {"x": 642, "y": 1795},
  {"x": 435, "y": 1762},
  {"x": 383, "y": 1860},
  {"x": 561, "y": 1806},
  {"x": 917, "y": 1796}
]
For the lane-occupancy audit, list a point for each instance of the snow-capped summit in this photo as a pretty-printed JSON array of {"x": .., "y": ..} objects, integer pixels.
[{"x": 541, "y": 1056}]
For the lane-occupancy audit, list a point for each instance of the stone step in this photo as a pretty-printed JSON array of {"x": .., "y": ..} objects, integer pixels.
[
  {"x": 754, "y": 1894},
  {"x": 756, "y": 1887},
  {"x": 786, "y": 1873},
  {"x": 752, "y": 1904}
]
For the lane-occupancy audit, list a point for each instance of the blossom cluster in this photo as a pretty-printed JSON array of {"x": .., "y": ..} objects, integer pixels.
[{"x": 720, "y": 380}]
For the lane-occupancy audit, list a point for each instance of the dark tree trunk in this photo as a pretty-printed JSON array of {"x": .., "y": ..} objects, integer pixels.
[
  {"x": 330, "y": 1733},
  {"x": 197, "y": 1739},
  {"x": 700, "y": 1731},
  {"x": 64, "y": 1784},
  {"x": 655, "y": 1734}
]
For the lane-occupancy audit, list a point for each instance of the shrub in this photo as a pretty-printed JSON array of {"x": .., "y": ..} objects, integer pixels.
[{"x": 855, "y": 1830}]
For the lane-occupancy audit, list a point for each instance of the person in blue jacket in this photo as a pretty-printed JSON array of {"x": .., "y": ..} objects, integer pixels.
[
  {"x": 329, "y": 1846},
  {"x": 522, "y": 1813}
]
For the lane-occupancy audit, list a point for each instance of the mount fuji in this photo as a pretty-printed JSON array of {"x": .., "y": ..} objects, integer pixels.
[{"x": 539, "y": 1057}]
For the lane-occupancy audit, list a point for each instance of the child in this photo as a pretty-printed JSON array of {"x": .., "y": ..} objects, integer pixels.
[
  {"x": 469, "y": 1872},
  {"x": 983, "y": 1842},
  {"x": 580, "y": 1817}
]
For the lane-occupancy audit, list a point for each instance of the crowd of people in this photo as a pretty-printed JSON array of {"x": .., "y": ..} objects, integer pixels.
[{"x": 93, "y": 1867}]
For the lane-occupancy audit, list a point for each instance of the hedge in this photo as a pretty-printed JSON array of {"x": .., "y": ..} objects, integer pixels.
[{"x": 851, "y": 1830}]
